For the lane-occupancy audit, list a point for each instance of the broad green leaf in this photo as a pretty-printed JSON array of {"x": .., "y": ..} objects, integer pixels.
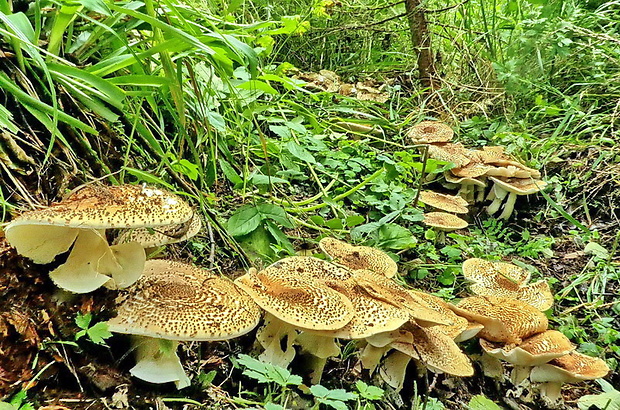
[
  {"x": 244, "y": 221},
  {"x": 256, "y": 85},
  {"x": 7, "y": 406},
  {"x": 275, "y": 213},
  {"x": 354, "y": 220},
  {"x": 394, "y": 236},
  {"x": 229, "y": 172},
  {"x": 83, "y": 321},
  {"x": 98, "y": 333},
  {"x": 300, "y": 152},
  {"x": 480, "y": 402},
  {"x": 608, "y": 400},
  {"x": 98, "y": 6},
  {"x": 21, "y": 24},
  {"x": 258, "y": 179},
  {"x": 369, "y": 392},
  {"x": 267, "y": 373},
  {"x": 280, "y": 237},
  {"x": 322, "y": 392}
]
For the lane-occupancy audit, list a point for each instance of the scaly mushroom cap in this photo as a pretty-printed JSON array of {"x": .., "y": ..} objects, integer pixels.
[
  {"x": 571, "y": 368},
  {"x": 513, "y": 171},
  {"x": 429, "y": 132},
  {"x": 448, "y": 203},
  {"x": 506, "y": 280},
  {"x": 454, "y": 153},
  {"x": 533, "y": 351},
  {"x": 287, "y": 291},
  {"x": 358, "y": 257},
  {"x": 444, "y": 221},
  {"x": 504, "y": 319},
  {"x": 471, "y": 170},
  {"x": 162, "y": 235},
  {"x": 466, "y": 180},
  {"x": 437, "y": 351},
  {"x": 456, "y": 325},
  {"x": 176, "y": 301},
  {"x": 519, "y": 186}
]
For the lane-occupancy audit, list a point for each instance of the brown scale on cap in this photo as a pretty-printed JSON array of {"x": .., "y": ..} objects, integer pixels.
[
  {"x": 535, "y": 350},
  {"x": 506, "y": 280},
  {"x": 162, "y": 235},
  {"x": 307, "y": 266},
  {"x": 471, "y": 170},
  {"x": 358, "y": 257},
  {"x": 448, "y": 203},
  {"x": 286, "y": 290},
  {"x": 454, "y": 153},
  {"x": 455, "y": 325},
  {"x": 444, "y": 221},
  {"x": 429, "y": 132},
  {"x": 176, "y": 301},
  {"x": 505, "y": 320}
]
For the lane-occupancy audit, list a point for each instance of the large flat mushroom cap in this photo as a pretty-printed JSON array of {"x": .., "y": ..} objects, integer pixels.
[
  {"x": 483, "y": 271},
  {"x": 429, "y": 132},
  {"x": 177, "y": 301},
  {"x": 519, "y": 186},
  {"x": 103, "y": 207},
  {"x": 444, "y": 221},
  {"x": 448, "y": 203},
  {"x": 358, "y": 257},
  {"x": 162, "y": 235},
  {"x": 289, "y": 293},
  {"x": 454, "y": 179},
  {"x": 437, "y": 351},
  {"x": 308, "y": 267},
  {"x": 570, "y": 368},
  {"x": 504, "y": 319},
  {"x": 454, "y": 153},
  {"x": 455, "y": 326},
  {"x": 471, "y": 170},
  {"x": 533, "y": 351}
]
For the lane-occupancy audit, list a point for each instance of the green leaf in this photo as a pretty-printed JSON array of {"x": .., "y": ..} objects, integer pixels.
[
  {"x": 321, "y": 392},
  {"x": 83, "y": 321},
  {"x": 608, "y": 400},
  {"x": 98, "y": 333},
  {"x": 275, "y": 213},
  {"x": 267, "y": 373},
  {"x": 7, "y": 406},
  {"x": 354, "y": 220},
  {"x": 394, "y": 236},
  {"x": 480, "y": 402},
  {"x": 280, "y": 237},
  {"x": 258, "y": 179},
  {"x": 230, "y": 172},
  {"x": 369, "y": 392},
  {"x": 244, "y": 221},
  {"x": 300, "y": 152},
  {"x": 256, "y": 85},
  {"x": 447, "y": 277}
]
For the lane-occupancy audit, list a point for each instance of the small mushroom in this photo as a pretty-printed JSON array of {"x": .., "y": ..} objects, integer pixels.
[
  {"x": 506, "y": 280},
  {"x": 443, "y": 222},
  {"x": 571, "y": 368},
  {"x": 448, "y": 203},
  {"x": 505, "y": 320},
  {"x": 358, "y": 257},
  {"x": 42, "y": 234},
  {"x": 179, "y": 302},
  {"x": 513, "y": 187},
  {"x": 471, "y": 186},
  {"x": 428, "y": 132}
]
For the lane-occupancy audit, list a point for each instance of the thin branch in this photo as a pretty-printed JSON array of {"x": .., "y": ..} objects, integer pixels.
[{"x": 447, "y": 8}]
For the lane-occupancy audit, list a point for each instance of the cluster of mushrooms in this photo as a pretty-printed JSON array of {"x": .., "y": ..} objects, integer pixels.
[
  {"x": 475, "y": 169},
  {"x": 307, "y": 302}
]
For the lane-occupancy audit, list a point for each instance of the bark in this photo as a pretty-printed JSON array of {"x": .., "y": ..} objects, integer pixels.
[{"x": 421, "y": 40}]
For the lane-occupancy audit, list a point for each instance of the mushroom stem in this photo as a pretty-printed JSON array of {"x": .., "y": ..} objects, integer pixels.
[
  {"x": 157, "y": 362},
  {"x": 519, "y": 374},
  {"x": 467, "y": 192},
  {"x": 498, "y": 194},
  {"x": 371, "y": 356},
  {"x": 394, "y": 369},
  {"x": 509, "y": 206},
  {"x": 480, "y": 193},
  {"x": 271, "y": 336},
  {"x": 552, "y": 391},
  {"x": 319, "y": 349}
]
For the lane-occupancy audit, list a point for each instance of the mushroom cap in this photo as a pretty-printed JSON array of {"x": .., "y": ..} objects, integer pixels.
[
  {"x": 519, "y": 186},
  {"x": 571, "y": 368},
  {"x": 504, "y": 319},
  {"x": 533, "y": 351},
  {"x": 444, "y": 221},
  {"x": 287, "y": 291},
  {"x": 358, "y": 257},
  {"x": 455, "y": 325},
  {"x": 162, "y": 235},
  {"x": 483, "y": 271},
  {"x": 437, "y": 351},
  {"x": 429, "y": 132},
  {"x": 471, "y": 170},
  {"x": 450, "y": 177},
  {"x": 454, "y": 153},
  {"x": 177, "y": 301},
  {"x": 103, "y": 207},
  {"x": 515, "y": 170},
  {"x": 448, "y": 203}
]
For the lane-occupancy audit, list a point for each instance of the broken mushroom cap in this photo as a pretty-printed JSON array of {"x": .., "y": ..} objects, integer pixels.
[
  {"x": 505, "y": 320},
  {"x": 533, "y": 351},
  {"x": 444, "y": 221},
  {"x": 429, "y": 132},
  {"x": 286, "y": 290},
  {"x": 448, "y": 203},
  {"x": 358, "y": 257},
  {"x": 162, "y": 235}
]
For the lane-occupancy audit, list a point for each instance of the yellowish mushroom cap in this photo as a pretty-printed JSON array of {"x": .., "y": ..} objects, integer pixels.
[
  {"x": 448, "y": 203},
  {"x": 358, "y": 257},
  {"x": 571, "y": 368},
  {"x": 505, "y": 320},
  {"x": 471, "y": 170},
  {"x": 456, "y": 325},
  {"x": 453, "y": 179},
  {"x": 429, "y": 132},
  {"x": 483, "y": 271},
  {"x": 454, "y": 153},
  {"x": 513, "y": 171},
  {"x": 177, "y": 301},
  {"x": 533, "y": 351},
  {"x": 519, "y": 186},
  {"x": 444, "y": 221},
  {"x": 162, "y": 235}
]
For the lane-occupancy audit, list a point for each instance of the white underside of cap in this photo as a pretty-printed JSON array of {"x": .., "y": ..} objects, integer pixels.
[
  {"x": 40, "y": 243},
  {"x": 155, "y": 365}
]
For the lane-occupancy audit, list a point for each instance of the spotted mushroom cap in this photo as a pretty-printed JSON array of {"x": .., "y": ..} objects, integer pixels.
[
  {"x": 519, "y": 186},
  {"x": 453, "y": 179},
  {"x": 505, "y": 320},
  {"x": 471, "y": 170},
  {"x": 448, "y": 203},
  {"x": 429, "y": 132},
  {"x": 454, "y": 153},
  {"x": 177, "y": 301},
  {"x": 513, "y": 171},
  {"x": 455, "y": 325},
  {"x": 358, "y": 257},
  {"x": 162, "y": 235},
  {"x": 437, "y": 351},
  {"x": 533, "y": 351},
  {"x": 570, "y": 368},
  {"x": 444, "y": 221},
  {"x": 484, "y": 271},
  {"x": 103, "y": 207},
  {"x": 288, "y": 292}
]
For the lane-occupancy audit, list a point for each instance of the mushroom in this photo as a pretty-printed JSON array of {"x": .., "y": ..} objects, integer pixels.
[
  {"x": 448, "y": 203},
  {"x": 176, "y": 302},
  {"x": 469, "y": 184},
  {"x": 513, "y": 187},
  {"x": 358, "y": 257},
  {"x": 506, "y": 280},
  {"x": 428, "y": 132},
  {"x": 81, "y": 220},
  {"x": 454, "y": 153},
  {"x": 162, "y": 235},
  {"x": 533, "y": 351},
  {"x": 443, "y": 222},
  {"x": 571, "y": 368},
  {"x": 504, "y": 319}
]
